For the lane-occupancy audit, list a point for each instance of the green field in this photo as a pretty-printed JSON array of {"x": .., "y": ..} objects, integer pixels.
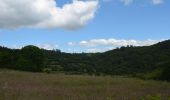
[{"x": 15, "y": 85}]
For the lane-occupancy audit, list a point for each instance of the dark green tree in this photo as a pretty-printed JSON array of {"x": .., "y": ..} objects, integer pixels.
[
  {"x": 32, "y": 58},
  {"x": 165, "y": 75},
  {"x": 5, "y": 59}
]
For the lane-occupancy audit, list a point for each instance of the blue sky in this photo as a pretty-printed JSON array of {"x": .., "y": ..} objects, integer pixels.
[{"x": 114, "y": 23}]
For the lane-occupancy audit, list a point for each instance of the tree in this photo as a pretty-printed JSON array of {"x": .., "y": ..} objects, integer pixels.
[
  {"x": 32, "y": 58},
  {"x": 5, "y": 59},
  {"x": 165, "y": 75}
]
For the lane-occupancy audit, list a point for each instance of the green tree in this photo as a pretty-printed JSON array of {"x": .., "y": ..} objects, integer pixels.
[
  {"x": 165, "y": 75},
  {"x": 5, "y": 59},
  {"x": 32, "y": 58}
]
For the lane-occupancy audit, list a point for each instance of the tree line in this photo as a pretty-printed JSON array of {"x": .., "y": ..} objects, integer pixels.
[
  {"x": 29, "y": 58},
  {"x": 147, "y": 62}
]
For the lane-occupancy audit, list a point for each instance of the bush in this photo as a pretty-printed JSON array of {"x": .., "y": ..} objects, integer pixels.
[
  {"x": 47, "y": 70},
  {"x": 157, "y": 97},
  {"x": 153, "y": 75}
]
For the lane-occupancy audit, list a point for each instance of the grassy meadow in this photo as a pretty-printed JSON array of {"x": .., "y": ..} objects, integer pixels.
[{"x": 15, "y": 85}]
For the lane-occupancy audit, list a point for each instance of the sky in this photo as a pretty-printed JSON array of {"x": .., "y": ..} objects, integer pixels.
[{"x": 83, "y": 25}]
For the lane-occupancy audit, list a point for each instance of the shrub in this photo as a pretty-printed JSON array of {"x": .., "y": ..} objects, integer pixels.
[
  {"x": 157, "y": 97},
  {"x": 47, "y": 70}
]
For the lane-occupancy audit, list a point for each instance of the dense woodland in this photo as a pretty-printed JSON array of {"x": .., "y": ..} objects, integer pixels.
[{"x": 147, "y": 62}]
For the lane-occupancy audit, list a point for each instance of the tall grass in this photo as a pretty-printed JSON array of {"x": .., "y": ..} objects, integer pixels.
[{"x": 15, "y": 85}]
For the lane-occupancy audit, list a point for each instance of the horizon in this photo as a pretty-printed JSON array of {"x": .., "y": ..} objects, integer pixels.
[
  {"x": 83, "y": 25},
  {"x": 85, "y": 52}
]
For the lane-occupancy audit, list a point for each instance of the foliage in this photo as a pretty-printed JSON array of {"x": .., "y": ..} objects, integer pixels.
[
  {"x": 47, "y": 70},
  {"x": 148, "y": 62},
  {"x": 165, "y": 75},
  {"x": 29, "y": 58},
  {"x": 150, "y": 97},
  {"x": 33, "y": 57}
]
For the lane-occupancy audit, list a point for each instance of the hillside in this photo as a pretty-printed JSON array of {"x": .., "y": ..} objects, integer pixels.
[{"x": 149, "y": 62}]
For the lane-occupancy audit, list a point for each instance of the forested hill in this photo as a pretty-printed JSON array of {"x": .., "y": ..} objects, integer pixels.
[{"x": 149, "y": 62}]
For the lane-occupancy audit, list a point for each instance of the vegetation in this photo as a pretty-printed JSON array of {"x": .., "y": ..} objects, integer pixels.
[
  {"x": 29, "y": 58},
  {"x": 16, "y": 85},
  {"x": 148, "y": 62}
]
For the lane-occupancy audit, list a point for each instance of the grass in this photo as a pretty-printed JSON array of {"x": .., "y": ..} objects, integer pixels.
[{"x": 15, "y": 85}]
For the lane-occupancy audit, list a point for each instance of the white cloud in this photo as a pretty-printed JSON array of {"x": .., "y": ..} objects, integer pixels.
[
  {"x": 115, "y": 42},
  {"x": 48, "y": 46},
  {"x": 93, "y": 50},
  {"x": 46, "y": 14},
  {"x": 101, "y": 45},
  {"x": 127, "y": 2},
  {"x": 156, "y": 2},
  {"x": 71, "y": 44}
]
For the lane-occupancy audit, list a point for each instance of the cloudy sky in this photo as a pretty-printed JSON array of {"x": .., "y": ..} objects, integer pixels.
[{"x": 83, "y": 25}]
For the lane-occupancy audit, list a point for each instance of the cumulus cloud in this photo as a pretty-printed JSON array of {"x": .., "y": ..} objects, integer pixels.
[
  {"x": 127, "y": 2},
  {"x": 46, "y": 14},
  {"x": 115, "y": 42},
  {"x": 156, "y": 2}
]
